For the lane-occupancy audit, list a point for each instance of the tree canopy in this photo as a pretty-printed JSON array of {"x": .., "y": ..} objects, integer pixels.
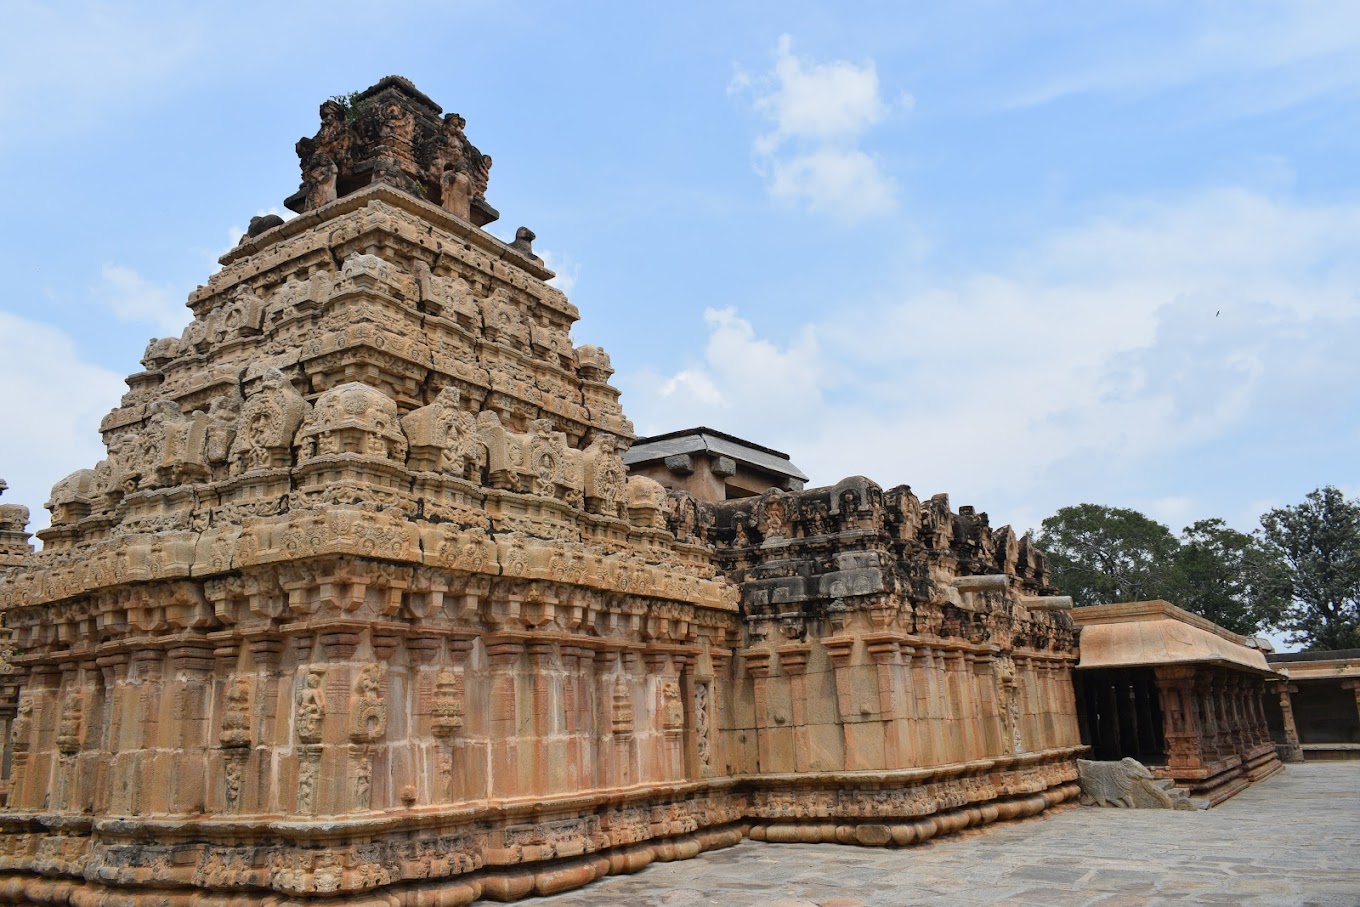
[
  {"x": 1102, "y": 554},
  {"x": 1299, "y": 572},
  {"x": 1107, "y": 554},
  {"x": 1318, "y": 542}
]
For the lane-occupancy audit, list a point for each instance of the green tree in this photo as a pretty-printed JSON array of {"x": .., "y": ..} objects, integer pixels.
[
  {"x": 1318, "y": 542},
  {"x": 1108, "y": 554},
  {"x": 1228, "y": 577}
]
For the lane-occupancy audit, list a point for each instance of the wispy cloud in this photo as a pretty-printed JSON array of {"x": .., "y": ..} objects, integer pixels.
[
  {"x": 1153, "y": 331},
  {"x": 53, "y": 399},
  {"x": 133, "y": 298},
  {"x": 69, "y": 65},
  {"x": 819, "y": 112},
  {"x": 1266, "y": 55}
]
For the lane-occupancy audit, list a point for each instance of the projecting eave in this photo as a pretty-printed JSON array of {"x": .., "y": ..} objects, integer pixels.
[
  {"x": 1149, "y": 634},
  {"x": 714, "y": 443}
]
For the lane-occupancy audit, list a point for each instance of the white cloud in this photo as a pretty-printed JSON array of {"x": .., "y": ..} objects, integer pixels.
[
  {"x": 846, "y": 185},
  {"x": 819, "y": 113},
  {"x": 71, "y": 65},
  {"x": 827, "y": 102},
  {"x": 567, "y": 269},
  {"x": 740, "y": 378},
  {"x": 133, "y": 298},
  {"x": 1262, "y": 56},
  {"x": 53, "y": 404},
  {"x": 1131, "y": 340}
]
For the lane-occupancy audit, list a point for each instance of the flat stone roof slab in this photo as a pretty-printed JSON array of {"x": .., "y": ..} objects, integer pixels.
[{"x": 1144, "y": 634}]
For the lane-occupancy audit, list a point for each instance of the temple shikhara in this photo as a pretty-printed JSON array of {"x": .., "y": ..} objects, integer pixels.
[{"x": 365, "y": 604}]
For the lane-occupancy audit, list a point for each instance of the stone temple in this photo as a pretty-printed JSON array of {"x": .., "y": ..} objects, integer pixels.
[{"x": 363, "y": 605}]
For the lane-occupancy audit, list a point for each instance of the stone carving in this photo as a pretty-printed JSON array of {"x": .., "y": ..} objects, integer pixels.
[
  {"x": 20, "y": 728},
  {"x": 14, "y": 536},
  {"x": 605, "y": 476},
  {"x": 443, "y": 438},
  {"x": 447, "y": 711},
  {"x": 367, "y": 709},
  {"x": 236, "y": 719},
  {"x": 309, "y": 776},
  {"x": 1010, "y": 702},
  {"x": 72, "y": 722},
  {"x": 672, "y": 709},
  {"x": 233, "y": 768},
  {"x": 623, "y": 706},
  {"x": 363, "y": 783},
  {"x": 1128, "y": 783},
  {"x": 702, "y": 730},
  {"x": 393, "y": 134},
  {"x": 311, "y": 707},
  {"x": 270, "y": 418},
  {"x": 352, "y": 419},
  {"x": 524, "y": 243}
]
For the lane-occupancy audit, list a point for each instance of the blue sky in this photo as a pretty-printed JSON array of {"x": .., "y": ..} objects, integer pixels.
[{"x": 1030, "y": 254}]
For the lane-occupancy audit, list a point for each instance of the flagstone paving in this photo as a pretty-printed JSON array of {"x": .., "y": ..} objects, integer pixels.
[{"x": 1289, "y": 841}]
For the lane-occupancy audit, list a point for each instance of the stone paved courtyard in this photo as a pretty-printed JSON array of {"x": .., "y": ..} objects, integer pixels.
[{"x": 1293, "y": 839}]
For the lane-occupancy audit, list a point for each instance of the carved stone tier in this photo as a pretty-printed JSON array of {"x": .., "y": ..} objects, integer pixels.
[{"x": 899, "y": 667}]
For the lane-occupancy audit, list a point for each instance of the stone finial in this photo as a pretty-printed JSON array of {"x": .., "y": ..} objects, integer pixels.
[{"x": 392, "y": 133}]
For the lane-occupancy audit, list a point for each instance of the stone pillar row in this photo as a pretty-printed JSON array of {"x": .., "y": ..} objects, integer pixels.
[
  {"x": 342, "y": 720},
  {"x": 901, "y": 701}
]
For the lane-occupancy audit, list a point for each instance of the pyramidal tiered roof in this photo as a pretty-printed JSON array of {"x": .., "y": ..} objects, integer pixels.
[{"x": 378, "y": 353}]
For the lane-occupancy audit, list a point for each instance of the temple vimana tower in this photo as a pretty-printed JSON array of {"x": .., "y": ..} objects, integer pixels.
[{"x": 364, "y": 607}]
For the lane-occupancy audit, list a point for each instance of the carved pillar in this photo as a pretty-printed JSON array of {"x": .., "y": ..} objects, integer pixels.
[
  {"x": 1210, "y": 744},
  {"x": 70, "y": 738},
  {"x": 114, "y": 669},
  {"x": 681, "y": 733},
  {"x": 542, "y": 759},
  {"x": 793, "y": 662},
  {"x": 614, "y": 769},
  {"x": 459, "y": 775},
  {"x": 234, "y": 730},
  {"x": 260, "y": 788},
  {"x": 191, "y": 668},
  {"x": 576, "y": 678},
  {"x": 721, "y": 658},
  {"x": 1178, "y": 690},
  {"x": 988, "y": 718},
  {"x": 839, "y": 650},
  {"x": 310, "y": 709},
  {"x": 886, "y": 655},
  {"x": 929, "y": 733},
  {"x": 506, "y": 742},
  {"x": 758, "y": 665}
]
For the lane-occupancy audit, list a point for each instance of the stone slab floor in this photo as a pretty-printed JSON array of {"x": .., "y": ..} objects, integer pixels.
[{"x": 1293, "y": 839}]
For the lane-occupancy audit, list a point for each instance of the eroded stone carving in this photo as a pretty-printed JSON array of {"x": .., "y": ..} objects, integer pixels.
[
  {"x": 368, "y": 711},
  {"x": 447, "y": 712},
  {"x": 1129, "y": 784},
  {"x": 270, "y": 418},
  {"x": 443, "y": 437},
  {"x": 311, "y": 707}
]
